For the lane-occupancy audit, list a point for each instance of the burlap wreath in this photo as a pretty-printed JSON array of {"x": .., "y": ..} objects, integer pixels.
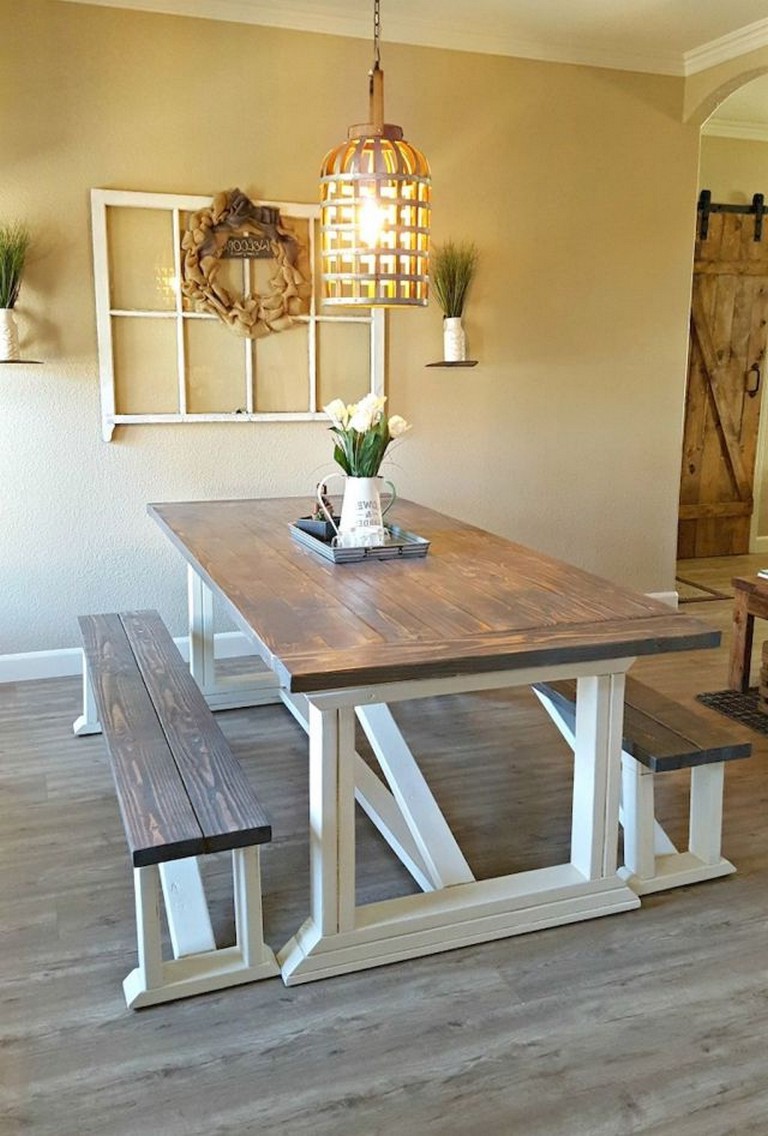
[{"x": 202, "y": 246}]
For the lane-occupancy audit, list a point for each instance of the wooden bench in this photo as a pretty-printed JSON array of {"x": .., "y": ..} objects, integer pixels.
[
  {"x": 182, "y": 794},
  {"x": 661, "y": 735}
]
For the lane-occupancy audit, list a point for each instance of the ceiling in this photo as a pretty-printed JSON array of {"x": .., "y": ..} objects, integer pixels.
[{"x": 670, "y": 37}]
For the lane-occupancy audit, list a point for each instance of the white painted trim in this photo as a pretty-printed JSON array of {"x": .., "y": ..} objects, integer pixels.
[
  {"x": 732, "y": 128},
  {"x": 422, "y": 31},
  {"x": 64, "y": 661},
  {"x": 671, "y": 598},
  {"x": 760, "y": 545},
  {"x": 731, "y": 46}
]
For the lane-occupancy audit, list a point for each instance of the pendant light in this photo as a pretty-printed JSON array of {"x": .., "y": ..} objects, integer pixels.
[{"x": 375, "y": 207}]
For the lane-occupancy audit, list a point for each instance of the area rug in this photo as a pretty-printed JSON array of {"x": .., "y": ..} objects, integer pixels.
[
  {"x": 689, "y": 591},
  {"x": 742, "y": 707}
]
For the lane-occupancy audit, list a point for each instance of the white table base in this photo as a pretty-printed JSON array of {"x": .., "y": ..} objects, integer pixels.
[{"x": 339, "y": 936}]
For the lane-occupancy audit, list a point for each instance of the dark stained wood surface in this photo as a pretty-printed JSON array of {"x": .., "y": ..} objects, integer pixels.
[
  {"x": 663, "y": 734},
  {"x": 750, "y": 602},
  {"x": 222, "y": 799},
  {"x": 756, "y": 586},
  {"x": 180, "y": 789},
  {"x": 475, "y": 603},
  {"x": 158, "y": 819}
]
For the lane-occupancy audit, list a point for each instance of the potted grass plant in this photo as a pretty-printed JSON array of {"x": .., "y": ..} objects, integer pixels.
[
  {"x": 453, "y": 266},
  {"x": 14, "y": 245}
]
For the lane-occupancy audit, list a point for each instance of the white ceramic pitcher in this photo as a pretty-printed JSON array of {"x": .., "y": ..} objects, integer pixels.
[{"x": 362, "y": 518}]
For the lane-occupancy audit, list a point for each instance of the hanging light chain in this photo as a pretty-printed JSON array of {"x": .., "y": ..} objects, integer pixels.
[{"x": 376, "y": 32}]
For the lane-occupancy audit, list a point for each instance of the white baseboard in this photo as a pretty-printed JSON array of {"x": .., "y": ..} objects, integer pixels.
[
  {"x": 670, "y": 598},
  {"x": 760, "y": 545},
  {"x": 69, "y": 660}
]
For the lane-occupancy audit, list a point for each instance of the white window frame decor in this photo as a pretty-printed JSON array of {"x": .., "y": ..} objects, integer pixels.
[{"x": 176, "y": 205}]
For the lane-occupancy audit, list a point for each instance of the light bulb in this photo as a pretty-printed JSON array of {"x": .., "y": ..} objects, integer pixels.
[{"x": 371, "y": 222}]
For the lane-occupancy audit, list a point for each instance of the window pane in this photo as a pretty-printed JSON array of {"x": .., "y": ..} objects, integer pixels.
[
  {"x": 144, "y": 354},
  {"x": 215, "y": 367},
  {"x": 142, "y": 274},
  {"x": 280, "y": 370},
  {"x": 299, "y": 228},
  {"x": 343, "y": 362}
]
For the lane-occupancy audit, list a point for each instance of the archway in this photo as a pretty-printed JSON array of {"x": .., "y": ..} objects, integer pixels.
[{"x": 725, "y": 447}]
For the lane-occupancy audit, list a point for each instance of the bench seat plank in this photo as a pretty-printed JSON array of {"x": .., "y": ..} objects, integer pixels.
[
  {"x": 160, "y": 824},
  {"x": 221, "y": 796},
  {"x": 660, "y": 733}
]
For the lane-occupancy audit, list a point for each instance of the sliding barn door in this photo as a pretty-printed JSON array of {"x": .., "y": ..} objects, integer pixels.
[{"x": 729, "y": 308}]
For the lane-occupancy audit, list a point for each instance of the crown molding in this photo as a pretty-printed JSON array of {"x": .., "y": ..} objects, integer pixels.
[
  {"x": 732, "y": 128},
  {"x": 335, "y": 18},
  {"x": 731, "y": 46},
  {"x": 303, "y": 15},
  {"x": 297, "y": 15}
]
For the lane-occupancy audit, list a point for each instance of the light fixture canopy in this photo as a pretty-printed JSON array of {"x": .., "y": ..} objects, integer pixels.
[{"x": 375, "y": 211}]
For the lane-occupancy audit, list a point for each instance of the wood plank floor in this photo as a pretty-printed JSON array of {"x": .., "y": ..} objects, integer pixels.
[{"x": 654, "y": 1021}]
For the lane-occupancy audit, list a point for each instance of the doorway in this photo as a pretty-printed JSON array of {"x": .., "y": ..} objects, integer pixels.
[
  {"x": 723, "y": 508},
  {"x": 728, "y": 332}
]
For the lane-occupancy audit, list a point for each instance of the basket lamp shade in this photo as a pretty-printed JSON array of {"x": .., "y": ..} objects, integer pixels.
[{"x": 375, "y": 214}]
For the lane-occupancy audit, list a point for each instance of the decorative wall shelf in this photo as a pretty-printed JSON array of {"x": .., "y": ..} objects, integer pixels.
[{"x": 458, "y": 363}]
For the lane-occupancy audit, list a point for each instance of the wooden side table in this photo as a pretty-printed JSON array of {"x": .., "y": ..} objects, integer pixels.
[{"x": 750, "y": 601}]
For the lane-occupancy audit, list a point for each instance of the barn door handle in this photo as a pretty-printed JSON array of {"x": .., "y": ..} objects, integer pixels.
[{"x": 752, "y": 390}]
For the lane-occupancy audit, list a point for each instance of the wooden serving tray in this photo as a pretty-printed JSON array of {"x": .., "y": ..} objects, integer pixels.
[{"x": 399, "y": 544}]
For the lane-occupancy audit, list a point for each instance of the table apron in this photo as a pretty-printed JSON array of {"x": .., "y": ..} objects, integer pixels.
[{"x": 467, "y": 683}]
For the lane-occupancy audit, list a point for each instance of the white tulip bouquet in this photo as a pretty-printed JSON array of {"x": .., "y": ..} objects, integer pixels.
[{"x": 363, "y": 432}]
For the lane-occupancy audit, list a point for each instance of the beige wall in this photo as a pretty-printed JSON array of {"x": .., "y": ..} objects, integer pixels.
[
  {"x": 733, "y": 169},
  {"x": 577, "y": 185}
]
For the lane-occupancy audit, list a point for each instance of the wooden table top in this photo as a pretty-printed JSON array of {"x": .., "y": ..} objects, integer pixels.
[
  {"x": 750, "y": 583},
  {"x": 476, "y": 603}
]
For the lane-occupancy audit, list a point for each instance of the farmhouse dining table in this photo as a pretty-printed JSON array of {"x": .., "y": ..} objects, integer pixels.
[{"x": 347, "y": 641}]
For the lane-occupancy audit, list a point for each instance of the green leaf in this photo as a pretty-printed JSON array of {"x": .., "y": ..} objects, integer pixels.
[{"x": 341, "y": 459}]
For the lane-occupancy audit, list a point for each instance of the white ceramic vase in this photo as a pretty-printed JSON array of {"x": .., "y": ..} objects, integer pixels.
[
  {"x": 361, "y": 524},
  {"x": 454, "y": 340},
  {"x": 9, "y": 337}
]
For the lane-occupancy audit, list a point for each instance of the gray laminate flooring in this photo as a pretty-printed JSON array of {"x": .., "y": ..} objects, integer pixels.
[{"x": 652, "y": 1022}]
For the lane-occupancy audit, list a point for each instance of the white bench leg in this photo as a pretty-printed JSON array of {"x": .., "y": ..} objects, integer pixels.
[
  {"x": 88, "y": 722},
  {"x": 246, "y": 879},
  {"x": 706, "y": 814},
  {"x": 186, "y": 908},
  {"x": 651, "y": 862},
  {"x": 146, "y": 882},
  {"x": 638, "y": 816},
  {"x": 156, "y": 980}
]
